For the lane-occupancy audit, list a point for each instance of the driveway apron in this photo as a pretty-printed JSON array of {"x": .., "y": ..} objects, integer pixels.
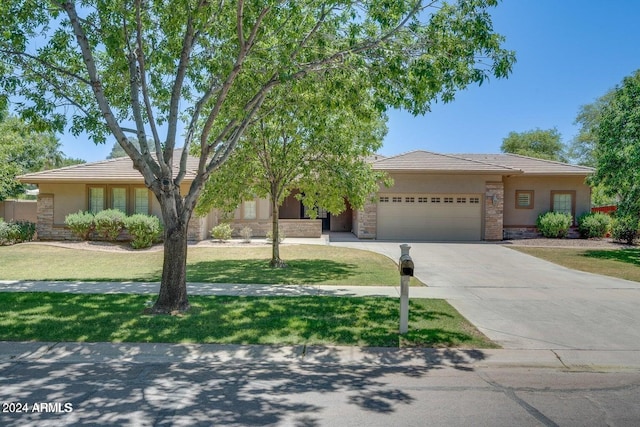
[{"x": 522, "y": 302}]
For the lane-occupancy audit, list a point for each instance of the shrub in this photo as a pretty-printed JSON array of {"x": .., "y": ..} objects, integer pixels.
[
  {"x": 281, "y": 236},
  {"x": 25, "y": 230},
  {"x": 81, "y": 224},
  {"x": 144, "y": 229},
  {"x": 222, "y": 231},
  {"x": 594, "y": 225},
  {"x": 554, "y": 224},
  {"x": 246, "y": 234},
  {"x": 6, "y": 233},
  {"x": 625, "y": 229},
  {"x": 16, "y": 232},
  {"x": 109, "y": 223}
]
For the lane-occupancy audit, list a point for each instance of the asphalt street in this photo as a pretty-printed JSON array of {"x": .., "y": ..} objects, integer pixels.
[{"x": 69, "y": 384}]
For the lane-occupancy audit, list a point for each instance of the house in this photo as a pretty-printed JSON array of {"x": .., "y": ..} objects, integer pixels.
[
  {"x": 470, "y": 197},
  {"x": 441, "y": 197}
]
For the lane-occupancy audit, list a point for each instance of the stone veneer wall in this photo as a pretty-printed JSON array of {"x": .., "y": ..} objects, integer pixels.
[
  {"x": 367, "y": 221},
  {"x": 290, "y": 227},
  {"x": 493, "y": 212},
  {"x": 45, "y": 228},
  {"x": 197, "y": 229}
]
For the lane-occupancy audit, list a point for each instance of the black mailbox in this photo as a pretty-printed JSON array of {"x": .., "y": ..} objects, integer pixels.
[{"x": 406, "y": 265}]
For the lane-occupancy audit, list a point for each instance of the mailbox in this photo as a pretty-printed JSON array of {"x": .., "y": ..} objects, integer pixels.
[{"x": 406, "y": 265}]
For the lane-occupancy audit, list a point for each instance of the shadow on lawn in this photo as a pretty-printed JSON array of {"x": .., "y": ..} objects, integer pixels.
[
  {"x": 628, "y": 256},
  {"x": 364, "y": 321},
  {"x": 300, "y": 271}
]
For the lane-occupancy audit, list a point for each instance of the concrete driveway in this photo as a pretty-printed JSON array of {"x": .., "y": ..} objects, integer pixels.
[{"x": 522, "y": 302}]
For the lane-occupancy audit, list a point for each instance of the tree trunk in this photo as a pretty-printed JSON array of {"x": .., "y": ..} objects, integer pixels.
[
  {"x": 276, "y": 262},
  {"x": 173, "y": 288}
]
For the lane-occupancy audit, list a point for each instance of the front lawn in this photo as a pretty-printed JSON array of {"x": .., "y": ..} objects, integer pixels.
[
  {"x": 308, "y": 264},
  {"x": 621, "y": 263},
  {"x": 370, "y": 321}
]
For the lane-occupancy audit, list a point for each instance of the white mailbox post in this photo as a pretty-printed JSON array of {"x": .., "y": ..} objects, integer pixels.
[{"x": 405, "y": 265}]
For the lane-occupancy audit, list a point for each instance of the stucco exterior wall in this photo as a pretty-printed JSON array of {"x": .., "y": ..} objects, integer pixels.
[
  {"x": 542, "y": 186},
  {"x": 68, "y": 198},
  {"x": 443, "y": 183}
]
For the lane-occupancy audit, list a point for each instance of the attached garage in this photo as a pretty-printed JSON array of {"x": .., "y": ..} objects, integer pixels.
[{"x": 436, "y": 217}]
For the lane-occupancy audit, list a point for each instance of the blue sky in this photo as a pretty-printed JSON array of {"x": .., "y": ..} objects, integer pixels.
[{"x": 569, "y": 52}]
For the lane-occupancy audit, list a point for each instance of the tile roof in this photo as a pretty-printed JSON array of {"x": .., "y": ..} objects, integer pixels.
[
  {"x": 445, "y": 163},
  {"x": 121, "y": 170},
  {"x": 118, "y": 170},
  {"x": 530, "y": 165},
  {"x": 505, "y": 164}
]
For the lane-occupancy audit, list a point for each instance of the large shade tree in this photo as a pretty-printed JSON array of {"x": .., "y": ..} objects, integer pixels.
[
  {"x": 539, "y": 143},
  {"x": 24, "y": 149},
  {"x": 316, "y": 139},
  {"x": 617, "y": 148},
  {"x": 143, "y": 68}
]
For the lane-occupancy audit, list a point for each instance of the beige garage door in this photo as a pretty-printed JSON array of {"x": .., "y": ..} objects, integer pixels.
[{"x": 438, "y": 217}]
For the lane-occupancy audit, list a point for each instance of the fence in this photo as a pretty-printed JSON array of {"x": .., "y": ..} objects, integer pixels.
[{"x": 19, "y": 210}]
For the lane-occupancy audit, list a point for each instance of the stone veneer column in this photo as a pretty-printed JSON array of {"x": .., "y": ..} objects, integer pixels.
[
  {"x": 368, "y": 220},
  {"x": 44, "y": 227},
  {"x": 493, "y": 210},
  {"x": 197, "y": 228}
]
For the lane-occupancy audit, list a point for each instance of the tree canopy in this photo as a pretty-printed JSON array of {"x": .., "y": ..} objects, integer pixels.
[
  {"x": 24, "y": 150},
  {"x": 617, "y": 150},
  {"x": 140, "y": 68},
  {"x": 316, "y": 139},
  {"x": 539, "y": 143}
]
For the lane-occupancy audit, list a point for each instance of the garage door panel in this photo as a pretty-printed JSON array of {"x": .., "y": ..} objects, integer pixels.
[{"x": 459, "y": 220}]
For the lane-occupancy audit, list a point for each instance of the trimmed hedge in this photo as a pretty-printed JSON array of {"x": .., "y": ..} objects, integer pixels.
[
  {"x": 109, "y": 223},
  {"x": 625, "y": 229},
  {"x": 144, "y": 229},
  {"x": 81, "y": 224},
  {"x": 554, "y": 225},
  {"x": 222, "y": 231},
  {"x": 16, "y": 232},
  {"x": 595, "y": 224}
]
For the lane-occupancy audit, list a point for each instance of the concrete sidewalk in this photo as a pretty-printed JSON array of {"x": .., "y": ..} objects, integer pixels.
[
  {"x": 564, "y": 360},
  {"x": 555, "y": 358}
]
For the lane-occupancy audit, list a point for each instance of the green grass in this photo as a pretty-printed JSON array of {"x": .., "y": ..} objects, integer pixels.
[
  {"x": 621, "y": 263},
  {"x": 235, "y": 320},
  {"x": 308, "y": 264}
]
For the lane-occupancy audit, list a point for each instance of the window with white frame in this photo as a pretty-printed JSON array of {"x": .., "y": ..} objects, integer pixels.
[
  {"x": 141, "y": 201},
  {"x": 384, "y": 199},
  {"x": 96, "y": 199},
  {"x": 397, "y": 200},
  {"x": 249, "y": 210},
  {"x": 409, "y": 199},
  {"x": 474, "y": 200},
  {"x": 119, "y": 199},
  {"x": 563, "y": 202}
]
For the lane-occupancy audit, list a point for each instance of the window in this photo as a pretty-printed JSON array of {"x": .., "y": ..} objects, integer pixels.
[
  {"x": 384, "y": 199},
  {"x": 435, "y": 200},
  {"x": 524, "y": 199},
  {"x": 141, "y": 201},
  {"x": 474, "y": 200},
  {"x": 423, "y": 199},
  {"x": 409, "y": 199},
  {"x": 249, "y": 211},
  {"x": 396, "y": 199},
  {"x": 96, "y": 199},
  {"x": 448, "y": 199},
  {"x": 563, "y": 202},
  {"x": 119, "y": 199},
  {"x": 461, "y": 200}
]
